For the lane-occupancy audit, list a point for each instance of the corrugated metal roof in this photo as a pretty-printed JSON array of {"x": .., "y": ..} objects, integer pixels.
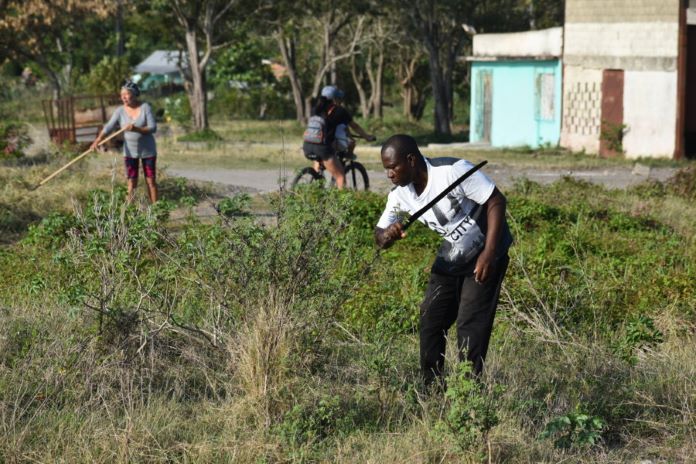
[{"x": 161, "y": 62}]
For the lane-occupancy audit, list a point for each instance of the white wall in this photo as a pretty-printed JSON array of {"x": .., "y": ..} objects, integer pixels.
[
  {"x": 650, "y": 109},
  {"x": 546, "y": 43},
  {"x": 622, "y": 39}
]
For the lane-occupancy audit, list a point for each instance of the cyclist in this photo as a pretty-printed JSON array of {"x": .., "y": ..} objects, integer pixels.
[
  {"x": 328, "y": 107},
  {"x": 345, "y": 120}
]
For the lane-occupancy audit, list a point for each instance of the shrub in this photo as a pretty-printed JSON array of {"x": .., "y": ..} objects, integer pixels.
[
  {"x": 471, "y": 411},
  {"x": 574, "y": 429},
  {"x": 683, "y": 183},
  {"x": 177, "y": 109},
  {"x": 107, "y": 76},
  {"x": 262, "y": 102},
  {"x": 237, "y": 205},
  {"x": 312, "y": 422},
  {"x": 639, "y": 333},
  {"x": 14, "y": 139},
  {"x": 205, "y": 135}
]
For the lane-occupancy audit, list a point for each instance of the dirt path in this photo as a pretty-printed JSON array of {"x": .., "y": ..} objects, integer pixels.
[{"x": 269, "y": 180}]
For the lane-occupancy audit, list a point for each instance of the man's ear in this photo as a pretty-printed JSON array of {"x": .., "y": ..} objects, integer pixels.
[{"x": 411, "y": 159}]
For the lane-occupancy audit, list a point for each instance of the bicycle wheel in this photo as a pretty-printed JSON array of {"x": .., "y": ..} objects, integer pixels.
[
  {"x": 306, "y": 176},
  {"x": 356, "y": 177}
]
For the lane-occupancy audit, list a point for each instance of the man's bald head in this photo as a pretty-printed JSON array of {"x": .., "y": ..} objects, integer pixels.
[
  {"x": 401, "y": 145},
  {"x": 403, "y": 161}
]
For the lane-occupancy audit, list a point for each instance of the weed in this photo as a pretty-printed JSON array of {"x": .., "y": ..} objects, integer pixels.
[
  {"x": 312, "y": 422},
  {"x": 574, "y": 429},
  {"x": 612, "y": 134},
  {"x": 14, "y": 139},
  {"x": 205, "y": 135},
  {"x": 683, "y": 183},
  {"x": 177, "y": 109},
  {"x": 237, "y": 205},
  {"x": 639, "y": 334},
  {"x": 471, "y": 411}
]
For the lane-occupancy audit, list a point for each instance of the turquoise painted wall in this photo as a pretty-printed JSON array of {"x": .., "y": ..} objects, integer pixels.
[{"x": 524, "y": 102}]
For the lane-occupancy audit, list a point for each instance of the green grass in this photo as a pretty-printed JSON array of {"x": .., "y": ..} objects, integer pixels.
[{"x": 133, "y": 337}]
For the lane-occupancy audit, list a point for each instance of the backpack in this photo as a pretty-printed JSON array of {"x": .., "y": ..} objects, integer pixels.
[{"x": 316, "y": 130}]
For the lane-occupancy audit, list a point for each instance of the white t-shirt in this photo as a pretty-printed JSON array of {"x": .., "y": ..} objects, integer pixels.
[{"x": 454, "y": 217}]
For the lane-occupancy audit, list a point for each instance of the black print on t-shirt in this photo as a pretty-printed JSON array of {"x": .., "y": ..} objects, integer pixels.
[{"x": 455, "y": 208}]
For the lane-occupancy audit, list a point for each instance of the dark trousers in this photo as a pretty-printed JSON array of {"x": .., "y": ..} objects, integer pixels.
[{"x": 450, "y": 299}]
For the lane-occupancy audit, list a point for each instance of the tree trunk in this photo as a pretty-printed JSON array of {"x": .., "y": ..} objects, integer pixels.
[
  {"x": 405, "y": 74},
  {"x": 357, "y": 80},
  {"x": 120, "y": 43},
  {"x": 196, "y": 87},
  {"x": 377, "y": 103},
  {"x": 440, "y": 100},
  {"x": 288, "y": 54}
]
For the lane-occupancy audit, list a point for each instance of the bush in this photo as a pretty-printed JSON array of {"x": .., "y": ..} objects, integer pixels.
[
  {"x": 683, "y": 183},
  {"x": 14, "y": 139},
  {"x": 213, "y": 339},
  {"x": 471, "y": 410},
  {"x": 177, "y": 109},
  {"x": 574, "y": 429},
  {"x": 205, "y": 135},
  {"x": 263, "y": 102},
  {"x": 107, "y": 76}
]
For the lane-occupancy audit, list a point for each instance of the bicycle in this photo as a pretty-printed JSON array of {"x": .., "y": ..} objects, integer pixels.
[{"x": 355, "y": 172}]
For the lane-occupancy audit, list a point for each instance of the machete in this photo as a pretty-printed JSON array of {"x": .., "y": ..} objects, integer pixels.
[{"x": 414, "y": 217}]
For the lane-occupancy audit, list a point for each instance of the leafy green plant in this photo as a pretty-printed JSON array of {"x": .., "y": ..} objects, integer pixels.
[
  {"x": 639, "y": 333},
  {"x": 306, "y": 423},
  {"x": 683, "y": 183},
  {"x": 205, "y": 135},
  {"x": 108, "y": 75},
  {"x": 471, "y": 412},
  {"x": 613, "y": 135},
  {"x": 177, "y": 109},
  {"x": 237, "y": 205},
  {"x": 574, "y": 430},
  {"x": 14, "y": 138},
  {"x": 52, "y": 231}
]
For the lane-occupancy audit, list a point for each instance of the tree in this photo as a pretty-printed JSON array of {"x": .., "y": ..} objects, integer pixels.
[
  {"x": 50, "y": 34},
  {"x": 203, "y": 23},
  {"x": 438, "y": 26},
  {"x": 544, "y": 13},
  {"x": 307, "y": 43},
  {"x": 373, "y": 33},
  {"x": 412, "y": 74}
]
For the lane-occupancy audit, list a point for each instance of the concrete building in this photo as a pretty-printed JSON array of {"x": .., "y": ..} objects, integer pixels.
[
  {"x": 516, "y": 88},
  {"x": 630, "y": 77}
]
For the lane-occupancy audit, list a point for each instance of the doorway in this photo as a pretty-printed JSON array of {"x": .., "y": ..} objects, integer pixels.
[
  {"x": 484, "y": 105},
  {"x": 690, "y": 94},
  {"x": 612, "y": 127}
]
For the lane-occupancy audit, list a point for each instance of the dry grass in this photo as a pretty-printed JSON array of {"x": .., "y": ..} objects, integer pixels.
[
  {"x": 261, "y": 355},
  {"x": 69, "y": 395}
]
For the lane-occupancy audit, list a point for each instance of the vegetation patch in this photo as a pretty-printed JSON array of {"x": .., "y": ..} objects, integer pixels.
[{"x": 298, "y": 340}]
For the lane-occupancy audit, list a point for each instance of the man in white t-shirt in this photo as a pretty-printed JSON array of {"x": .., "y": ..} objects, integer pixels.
[{"x": 470, "y": 265}]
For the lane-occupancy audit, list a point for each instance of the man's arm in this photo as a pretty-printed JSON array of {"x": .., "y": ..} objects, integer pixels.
[
  {"x": 495, "y": 205},
  {"x": 386, "y": 237}
]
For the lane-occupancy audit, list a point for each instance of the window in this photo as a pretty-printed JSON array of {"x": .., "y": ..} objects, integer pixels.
[{"x": 546, "y": 96}]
